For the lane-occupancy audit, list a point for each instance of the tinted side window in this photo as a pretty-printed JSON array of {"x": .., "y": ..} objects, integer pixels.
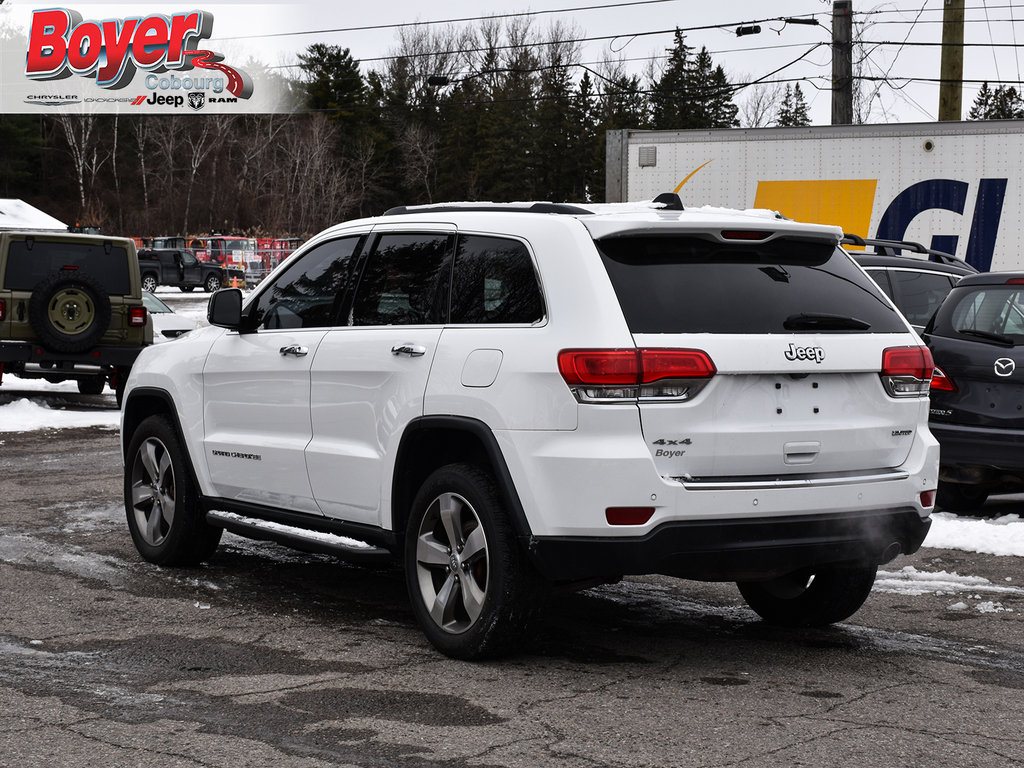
[
  {"x": 918, "y": 294},
  {"x": 881, "y": 277},
  {"x": 687, "y": 284},
  {"x": 26, "y": 268},
  {"x": 494, "y": 282},
  {"x": 308, "y": 293},
  {"x": 400, "y": 281}
]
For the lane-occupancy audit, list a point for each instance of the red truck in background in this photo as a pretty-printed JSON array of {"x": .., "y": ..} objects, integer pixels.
[{"x": 271, "y": 251}]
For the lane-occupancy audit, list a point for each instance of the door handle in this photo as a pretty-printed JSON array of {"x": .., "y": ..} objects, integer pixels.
[
  {"x": 412, "y": 350},
  {"x": 296, "y": 350}
]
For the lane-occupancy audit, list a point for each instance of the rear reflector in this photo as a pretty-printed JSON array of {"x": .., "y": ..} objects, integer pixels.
[
  {"x": 628, "y": 515},
  {"x": 3, "y": 309},
  {"x": 927, "y": 498},
  {"x": 136, "y": 316},
  {"x": 744, "y": 234},
  {"x": 941, "y": 382}
]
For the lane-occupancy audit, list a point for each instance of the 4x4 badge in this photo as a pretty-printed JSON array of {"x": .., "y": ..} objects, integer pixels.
[{"x": 1004, "y": 366}]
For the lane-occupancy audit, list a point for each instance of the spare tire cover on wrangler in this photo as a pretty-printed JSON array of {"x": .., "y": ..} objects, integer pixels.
[{"x": 69, "y": 313}]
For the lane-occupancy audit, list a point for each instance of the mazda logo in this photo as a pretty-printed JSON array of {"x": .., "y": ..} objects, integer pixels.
[{"x": 1004, "y": 366}]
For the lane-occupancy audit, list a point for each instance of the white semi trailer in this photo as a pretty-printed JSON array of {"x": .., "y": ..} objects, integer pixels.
[{"x": 956, "y": 187}]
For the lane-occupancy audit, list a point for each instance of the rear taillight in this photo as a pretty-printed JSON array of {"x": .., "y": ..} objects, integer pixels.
[
  {"x": 941, "y": 382},
  {"x": 3, "y": 309},
  {"x": 614, "y": 375},
  {"x": 907, "y": 371},
  {"x": 136, "y": 316}
]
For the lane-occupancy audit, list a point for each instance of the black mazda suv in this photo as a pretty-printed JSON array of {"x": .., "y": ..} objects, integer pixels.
[{"x": 977, "y": 393}]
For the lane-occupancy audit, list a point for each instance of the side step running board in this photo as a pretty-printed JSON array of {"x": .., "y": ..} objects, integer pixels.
[{"x": 344, "y": 548}]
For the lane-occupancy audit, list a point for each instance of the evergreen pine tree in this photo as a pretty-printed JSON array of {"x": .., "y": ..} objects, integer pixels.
[
  {"x": 671, "y": 96},
  {"x": 1004, "y": 103},
  {"x": 785, "y": 116},
  {"x": 801, "y": 115}
]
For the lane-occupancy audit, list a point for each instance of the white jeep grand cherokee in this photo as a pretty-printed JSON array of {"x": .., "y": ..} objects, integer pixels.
[{"x": 509, "y": 397}]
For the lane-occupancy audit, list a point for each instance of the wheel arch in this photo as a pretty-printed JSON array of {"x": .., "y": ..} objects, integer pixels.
[
  {"x": 139, "y": 406},
  {"x": 432, "y": 442}
]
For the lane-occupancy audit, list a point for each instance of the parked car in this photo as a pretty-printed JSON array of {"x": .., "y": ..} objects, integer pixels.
[
  {"x": 510, "y": 397},
  {"x": 180, "y": 268},
  {"x": 977, "y": 395},
  {"x": 167, "y": 324},
  {"x": 71, "y": 308},
  {"x": 916, "y": 284}
]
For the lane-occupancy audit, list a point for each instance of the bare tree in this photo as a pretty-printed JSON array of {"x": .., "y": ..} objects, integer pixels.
[
  {"x": 81, "y": 138},
  {"x": 418, "y": 146},
  {"x": 761, "y": 105}
]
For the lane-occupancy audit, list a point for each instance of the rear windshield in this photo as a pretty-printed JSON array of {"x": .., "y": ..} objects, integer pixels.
[
  {"x": 987, "y": 312},
  {"x": 26, "y": 268},
  {"x": 687, "y": 284}
]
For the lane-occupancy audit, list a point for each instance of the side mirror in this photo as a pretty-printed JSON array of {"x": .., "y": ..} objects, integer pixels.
[{"x": 225, "y": 309}]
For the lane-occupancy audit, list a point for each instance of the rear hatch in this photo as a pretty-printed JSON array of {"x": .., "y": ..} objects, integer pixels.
[
  {"x": 977, "y": 339},
  {"x": 795, "y": 334}
]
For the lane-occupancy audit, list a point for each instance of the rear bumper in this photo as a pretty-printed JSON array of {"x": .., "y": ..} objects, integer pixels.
[
  {"x": 736, "y": 550},
  {"x": 24, "y": 352},
  {"x": 967, "y": 449}
]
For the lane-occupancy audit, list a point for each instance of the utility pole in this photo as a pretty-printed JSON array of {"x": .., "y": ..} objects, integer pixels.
[
  {"x": 951, "y": 68},
  {"x": 842, "y": 62}
]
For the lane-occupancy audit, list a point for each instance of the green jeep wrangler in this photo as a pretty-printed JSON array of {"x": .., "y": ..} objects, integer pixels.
[{"x": 71, "y": 308}]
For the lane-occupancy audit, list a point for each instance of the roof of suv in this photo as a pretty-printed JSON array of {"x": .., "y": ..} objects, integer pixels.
[
  {"x": 889, "y": 253},
  {"x": 607, "y": 219}
]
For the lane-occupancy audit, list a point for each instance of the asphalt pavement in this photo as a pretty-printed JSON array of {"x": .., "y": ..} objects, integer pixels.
[{"x": 267, "y": 656}]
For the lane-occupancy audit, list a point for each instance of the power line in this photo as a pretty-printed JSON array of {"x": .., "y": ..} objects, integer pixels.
[
  {"x": 373, "y": 27},
  {"x": 532, "y": 44},
  {"x": 991, "y": 40}
]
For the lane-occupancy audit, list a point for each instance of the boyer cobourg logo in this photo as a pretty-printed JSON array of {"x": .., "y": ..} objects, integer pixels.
[{"x": 114, "y": 51}]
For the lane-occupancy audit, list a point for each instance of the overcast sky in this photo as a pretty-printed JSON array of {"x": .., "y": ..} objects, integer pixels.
[{"x": 627, "y": 28}]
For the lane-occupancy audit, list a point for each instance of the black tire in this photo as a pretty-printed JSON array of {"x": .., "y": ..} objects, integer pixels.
[
  {"x": 811, "y": 597},
  {"x": 69, "y": 313},
  {"x": 149, "y": 282},
  {"x": 211, "y": 284},
  {"x": 957, "y": 497},
  {"x": 186, "y": 288},
  {"x": 92, "y": 385},
  {"x": 165, "y": 518},
  {"x": 494, "y": 591}
]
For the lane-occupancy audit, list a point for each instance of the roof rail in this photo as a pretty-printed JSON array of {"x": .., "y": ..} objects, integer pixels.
[
  {"x": 669, "y": 200},
  {"x": 563, "y": 208},
  {"x": 893, "y": 247}
]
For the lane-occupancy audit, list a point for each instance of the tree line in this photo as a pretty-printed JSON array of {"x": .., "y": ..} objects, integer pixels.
[{"x": 495, "y": 112}]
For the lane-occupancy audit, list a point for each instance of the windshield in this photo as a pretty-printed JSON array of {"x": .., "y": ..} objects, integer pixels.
[{"x": 153, "y": 304}]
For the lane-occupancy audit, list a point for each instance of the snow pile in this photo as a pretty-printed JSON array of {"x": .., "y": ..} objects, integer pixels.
[
  {"x": 24, "y": 416},
  {"x": 999, "y": 536},
  {"x": 910, "y": 581}
]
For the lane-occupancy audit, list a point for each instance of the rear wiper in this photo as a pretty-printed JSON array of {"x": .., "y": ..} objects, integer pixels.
[
  {"x": 823, "y": 322},
  {"x": 998, "y": 338}
]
